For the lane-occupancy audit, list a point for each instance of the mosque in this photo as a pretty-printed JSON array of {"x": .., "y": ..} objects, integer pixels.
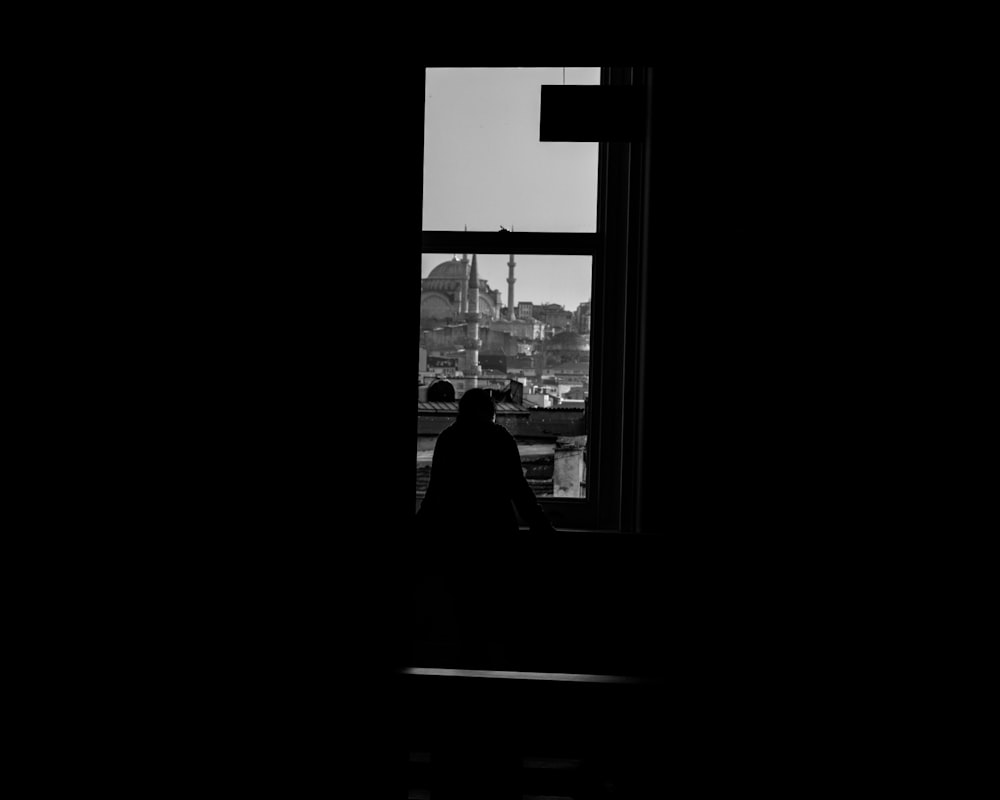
[
  {"x": 453, "y": 292},
  {"x": 446, "y": 292},
  {"x": 459, "y": 309}
]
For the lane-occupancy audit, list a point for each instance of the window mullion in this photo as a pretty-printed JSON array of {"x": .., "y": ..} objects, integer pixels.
[{"x": 567, "y": 244}]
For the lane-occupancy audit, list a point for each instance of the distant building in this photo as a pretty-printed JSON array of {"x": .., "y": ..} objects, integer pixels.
[
  {"x": 520, "y": 328},
  {"x": 572, "y": 369},
  {"x": 554, "y": 315},
  {"x": 442, "y": 362},
  {"x": 520, "y": 363},
  {"x": 441, "y": 391},
  {"x": 540, "y": 399},
  {"x": 467, "y": 333},
  {"x": 445, "y": 295},
  {"x": 444, "y": 337},
  {"x": 493, "y": 362},
  {"x": 566, "y": 347}
]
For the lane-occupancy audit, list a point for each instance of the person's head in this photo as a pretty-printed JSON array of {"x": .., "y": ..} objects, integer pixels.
[{"x": 477, "y": 405}]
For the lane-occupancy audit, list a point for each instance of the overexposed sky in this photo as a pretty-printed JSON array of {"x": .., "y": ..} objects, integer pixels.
[{"x": 485, "y": 168}]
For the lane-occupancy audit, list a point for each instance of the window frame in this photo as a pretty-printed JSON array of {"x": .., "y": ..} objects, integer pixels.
[{"x": 616, "y": 304}]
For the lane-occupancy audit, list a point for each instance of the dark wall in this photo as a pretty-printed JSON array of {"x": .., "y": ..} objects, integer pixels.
[
  {"x": 286, "y": 195},
  {"x": 264, "y": 507},
  {"x": 330, "y": 217},
  {"x": 792, "y": 492}
]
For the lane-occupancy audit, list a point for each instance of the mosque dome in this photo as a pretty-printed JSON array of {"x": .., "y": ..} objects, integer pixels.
[
  {"x": 453, "y": 268},
  {"x": 444, "y": 291},
  {"x": 449, "y": 275}
]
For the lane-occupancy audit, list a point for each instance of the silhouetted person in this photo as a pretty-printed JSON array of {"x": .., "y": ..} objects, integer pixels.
[
  {"x": 476, "y": 476},
  {"x": 476, "y": 564}
]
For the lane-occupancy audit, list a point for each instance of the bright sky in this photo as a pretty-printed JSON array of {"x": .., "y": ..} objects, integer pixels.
[{"x": 485, "y": 168}]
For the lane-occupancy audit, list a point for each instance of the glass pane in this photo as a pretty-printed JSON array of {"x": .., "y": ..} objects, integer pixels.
[
  {"x": 484, "y": 167},
  {"x": 536, "y": 359}
]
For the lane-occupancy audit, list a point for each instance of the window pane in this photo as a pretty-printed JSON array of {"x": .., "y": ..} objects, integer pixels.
[
  {"x": 484, "y": 167},
  {"x": 536, "y": 359}
]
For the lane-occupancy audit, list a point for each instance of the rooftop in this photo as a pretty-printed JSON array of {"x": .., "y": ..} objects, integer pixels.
[{"x": 450, "y": 408}]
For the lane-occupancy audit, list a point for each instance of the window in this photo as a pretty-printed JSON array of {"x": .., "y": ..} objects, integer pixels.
[
  {"x": 549, "y": 229},
  {"x": 484, "y": 166},
  {"x": 534, "y": 355}
]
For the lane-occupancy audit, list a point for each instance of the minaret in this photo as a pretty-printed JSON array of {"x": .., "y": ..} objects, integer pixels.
[
  {"x": 474, "y": 287},
  {"x": 472, "y": 342},
  {"x": 510, "y": 287},
  {"x": 463, "y": 305},
  {"x": 463, "y": 286}
]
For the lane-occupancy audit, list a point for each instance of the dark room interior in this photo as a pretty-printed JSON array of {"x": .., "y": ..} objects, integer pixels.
[{"x": 716, "y": 631}]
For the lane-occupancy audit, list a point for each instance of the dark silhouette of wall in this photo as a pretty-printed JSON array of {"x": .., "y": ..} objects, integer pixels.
[{"x": 753, "y": 500}]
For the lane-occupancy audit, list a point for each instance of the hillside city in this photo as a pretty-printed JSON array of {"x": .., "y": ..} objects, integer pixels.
[{"x": 534, "y": 356}]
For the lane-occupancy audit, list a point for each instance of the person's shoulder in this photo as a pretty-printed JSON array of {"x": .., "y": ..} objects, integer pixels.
[
  {"x": 450, "y": 432},
  {"x": 500, "y": 432}
]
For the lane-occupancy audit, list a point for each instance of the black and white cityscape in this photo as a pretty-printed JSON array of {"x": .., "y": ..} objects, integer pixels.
[{"x": 532, "y": 353}]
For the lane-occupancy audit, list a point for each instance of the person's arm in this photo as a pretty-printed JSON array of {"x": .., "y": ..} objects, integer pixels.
[{"x": 521, "y": 492}]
